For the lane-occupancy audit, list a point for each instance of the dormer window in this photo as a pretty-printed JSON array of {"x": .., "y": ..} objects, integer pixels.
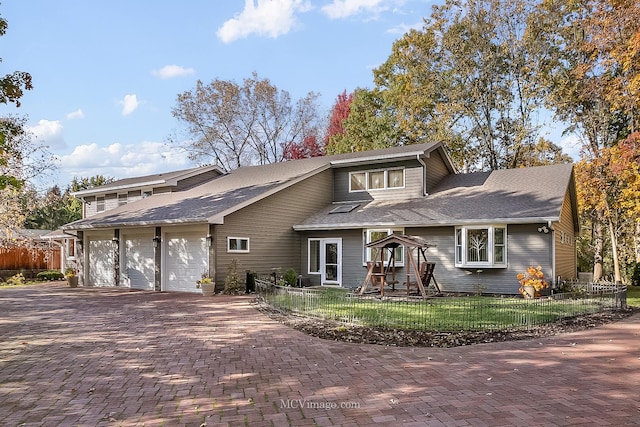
[{"x": 381, "y": 179}]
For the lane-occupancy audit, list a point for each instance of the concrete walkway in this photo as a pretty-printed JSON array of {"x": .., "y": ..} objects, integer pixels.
[{"x": 111, "y": 357}]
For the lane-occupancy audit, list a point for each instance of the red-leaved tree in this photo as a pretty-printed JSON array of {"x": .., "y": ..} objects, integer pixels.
[
  {"x": 309, "y": 147},
  {"x": 339, "y": 114}
]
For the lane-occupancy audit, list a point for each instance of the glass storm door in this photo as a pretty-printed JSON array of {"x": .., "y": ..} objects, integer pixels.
[{"x": 331, "y": 262}]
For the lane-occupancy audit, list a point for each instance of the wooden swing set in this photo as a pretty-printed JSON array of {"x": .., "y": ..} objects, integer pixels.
[{"x": 378, "y": 273}]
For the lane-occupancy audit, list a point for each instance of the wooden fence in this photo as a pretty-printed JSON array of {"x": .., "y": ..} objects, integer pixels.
[{"x": 29, "y": 258}]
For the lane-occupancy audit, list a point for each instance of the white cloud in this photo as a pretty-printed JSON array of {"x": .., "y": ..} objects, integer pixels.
[
  {"x": 78, "y": 114},
  {"x": 403, "y": 28},
  {"x": 121, "y": 160},
  {"x": 268, "y": 18},
  {"x": 129, "y": 103},
  {"x": 49, "y": 132},
  {"x": 171, "y": 71},
  {"x": 341, "y": 9}
]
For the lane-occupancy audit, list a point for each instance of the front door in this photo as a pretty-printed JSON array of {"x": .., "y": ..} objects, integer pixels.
[{"x": 331, "y": 262}]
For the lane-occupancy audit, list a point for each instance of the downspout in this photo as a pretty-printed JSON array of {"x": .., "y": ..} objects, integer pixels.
[{"x": 424, "y": 175}]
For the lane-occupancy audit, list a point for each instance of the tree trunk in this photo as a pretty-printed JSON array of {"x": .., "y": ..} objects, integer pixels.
[
  {"x": 598, "y": 248},
  {"x": 614, "y": 253},
  {"x": 637, "y": 239}
]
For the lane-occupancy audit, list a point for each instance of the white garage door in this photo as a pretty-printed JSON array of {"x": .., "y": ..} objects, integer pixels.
[
  {"x": 186, "y": 258},
  {"x": 138, "y": 265},
  {"x": 101, "y": 261}
]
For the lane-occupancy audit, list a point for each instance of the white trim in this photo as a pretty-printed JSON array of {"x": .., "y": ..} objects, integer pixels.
[
  {"x": 346, "y": 226},
  {"x": 322, "y": 264},
  {"x": 385, "y": 184},
  {"x": 238, "y": 240},
  {"x": 366, "y": 233},
  {"x": 491, "y": 245}
]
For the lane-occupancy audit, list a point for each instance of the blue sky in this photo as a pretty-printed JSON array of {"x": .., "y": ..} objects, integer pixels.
[{"x": 106, "y": 73}]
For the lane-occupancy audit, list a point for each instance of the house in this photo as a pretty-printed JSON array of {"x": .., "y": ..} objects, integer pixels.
[{"x": 317, "y": 215}]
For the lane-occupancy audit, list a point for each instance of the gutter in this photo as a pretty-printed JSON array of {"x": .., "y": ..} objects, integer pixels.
[{"x": 493, "y": 221}]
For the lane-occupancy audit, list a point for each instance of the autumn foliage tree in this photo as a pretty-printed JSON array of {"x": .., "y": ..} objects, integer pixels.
[
  {"x": 234, "y": 125},
  {"x": 309, "y": 147},
  {"x": 339, "y": 113}
]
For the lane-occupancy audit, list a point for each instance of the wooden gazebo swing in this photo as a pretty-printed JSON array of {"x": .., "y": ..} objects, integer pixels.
[{"x": 377, "y": 272}]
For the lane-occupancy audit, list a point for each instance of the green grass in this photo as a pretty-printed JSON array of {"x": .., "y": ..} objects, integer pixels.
[
  {"x": 438, "y": 314},
  {"x": 633, "y": 296}
]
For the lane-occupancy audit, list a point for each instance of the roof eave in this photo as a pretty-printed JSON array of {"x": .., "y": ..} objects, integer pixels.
[
  {"x": 447, "y": 223},
  {"x": 83, "y": 227},
  {"x": 376, "y": 159}
]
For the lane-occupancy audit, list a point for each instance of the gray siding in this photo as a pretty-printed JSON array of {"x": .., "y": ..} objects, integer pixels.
[
  {"x": 525, "y": 246},
  {"x": 436, "y": 169},
  {"x": 268, "y": 224},
  {"x": 353, "y": 272},
  {"x": 183, "y": 184},
  {"x": 89, "y": 206},
  {"x": 412, "y": 182}
]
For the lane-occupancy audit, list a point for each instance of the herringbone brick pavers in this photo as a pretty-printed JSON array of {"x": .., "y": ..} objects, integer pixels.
[{"x": 114, "y": 357}]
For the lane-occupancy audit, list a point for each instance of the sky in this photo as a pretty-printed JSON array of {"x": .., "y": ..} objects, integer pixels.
[{"x": 106, "y": 73}]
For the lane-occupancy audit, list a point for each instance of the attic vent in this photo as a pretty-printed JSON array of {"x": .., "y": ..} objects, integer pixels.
[{"x": 344, "y": 208}]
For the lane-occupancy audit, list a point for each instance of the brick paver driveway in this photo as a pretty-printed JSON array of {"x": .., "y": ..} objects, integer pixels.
[{"x": 113, "y": 357}]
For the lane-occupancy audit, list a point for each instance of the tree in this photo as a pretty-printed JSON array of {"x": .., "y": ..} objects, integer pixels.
[
  {"x": 12, "y": 87},
  {"x": 467, "y": 78},
  {"x": 309, "y": 147},
  {"x": 79, "y": 184},
  {"x": 234, "y": 125},
  {"x": 591, "y": 77},
  {"x": 369, "y": 125},
  {"x": 339, "y": 113},
  {"x": 26, "y": 161}
]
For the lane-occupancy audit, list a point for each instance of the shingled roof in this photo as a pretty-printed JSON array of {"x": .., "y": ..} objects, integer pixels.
[
  {"x": 211, "y": 201},
  {"x": 526, "y": 195},
  {"x": 165, "y": 178}
]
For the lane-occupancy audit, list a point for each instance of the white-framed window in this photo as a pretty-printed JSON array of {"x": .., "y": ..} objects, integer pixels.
[
  {"x": 371, "y": 254},
  {"x": 123, "y": 199},
  {"x": 238, "y": 244},
  {"x": 313, "y": 254},
  {"x": 147, "y": 193},
  {"x": 100, "y": 203},
  {"x": 71, "y": 248},
  {"x": 481, "y": 246},
  {"x": 380, "y": 179}
]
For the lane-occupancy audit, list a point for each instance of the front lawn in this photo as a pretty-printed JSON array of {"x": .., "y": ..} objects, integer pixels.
[
  {"x": 436, "y": 314},
  {"x": 633, "y": 296}
]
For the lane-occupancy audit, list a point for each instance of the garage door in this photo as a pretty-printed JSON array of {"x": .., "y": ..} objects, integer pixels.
[
  {"x": 186, "y": 258},
  {"x": 101, "y": 266},
  {"x": 138, "y": 265}
]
